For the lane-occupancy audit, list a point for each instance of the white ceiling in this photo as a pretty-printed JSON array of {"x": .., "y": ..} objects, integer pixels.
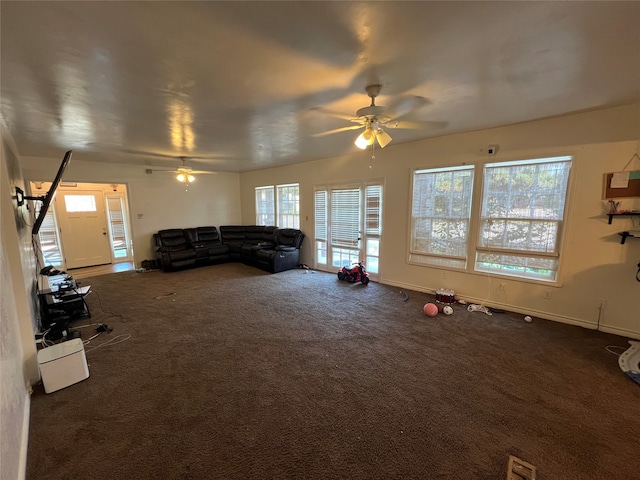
[{"x": 238, "y": 86}]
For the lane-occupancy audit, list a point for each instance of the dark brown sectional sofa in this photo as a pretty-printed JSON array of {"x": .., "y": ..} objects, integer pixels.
[{"x": 266, "y": 247}]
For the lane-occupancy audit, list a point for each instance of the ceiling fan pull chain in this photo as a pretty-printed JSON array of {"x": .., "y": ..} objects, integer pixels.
[{"x": 373, "y": 156}]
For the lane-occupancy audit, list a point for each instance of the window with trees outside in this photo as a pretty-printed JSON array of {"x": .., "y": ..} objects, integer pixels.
[
  {"x": 515, "y": 229},
  {"x": 523, "y": 207},
  {"x": 440, "y": 216},
  {"x": 278, "y": 205}
]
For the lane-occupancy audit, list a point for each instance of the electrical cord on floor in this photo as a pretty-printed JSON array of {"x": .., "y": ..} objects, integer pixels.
[
  {"x": 114, "y": 341},
  {"x": 108, "y": 314},
  {"x": 609, "y": 348}
]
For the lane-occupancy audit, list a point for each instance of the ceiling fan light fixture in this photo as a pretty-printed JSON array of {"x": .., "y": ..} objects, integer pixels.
[
  {"x": 361, "y": 142},
  {"x": 366, "y": 138},
  {"x": 185, "y": 177},
  {"x": 383, "y": 138}
]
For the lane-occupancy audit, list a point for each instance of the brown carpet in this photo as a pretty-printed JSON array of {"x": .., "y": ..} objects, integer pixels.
[{"x": 246, "y": 375}]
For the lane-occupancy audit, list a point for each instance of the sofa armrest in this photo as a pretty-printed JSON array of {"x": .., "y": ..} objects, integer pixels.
[{"x": 283, "y": 248}]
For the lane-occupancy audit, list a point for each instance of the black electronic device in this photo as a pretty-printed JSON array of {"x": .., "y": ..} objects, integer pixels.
[{"x": 45, "y": 199}]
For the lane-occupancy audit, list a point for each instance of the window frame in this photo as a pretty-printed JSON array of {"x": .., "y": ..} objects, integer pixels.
[
  {"x": 525, "y": 255},
  {"x": 368, "y": 244},
  {"x": 259, "y": 202},
  {"x": 279, "y": 210},
  {"x": 283, "y": 213},
  {"x": 476, "y": 220},
  {"x": 433, "y": 259}
]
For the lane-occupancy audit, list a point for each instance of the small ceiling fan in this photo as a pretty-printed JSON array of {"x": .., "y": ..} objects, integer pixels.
[
  {"x": 183, "y": 173},
  {"x": 374, "y": 117}
]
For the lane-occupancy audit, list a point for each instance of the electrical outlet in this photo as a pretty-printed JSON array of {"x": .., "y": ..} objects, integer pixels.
[
  {"x": 603, "y": 302},
  {"x": 547, "y": 294},
  {"x": 502, "y": 287}
]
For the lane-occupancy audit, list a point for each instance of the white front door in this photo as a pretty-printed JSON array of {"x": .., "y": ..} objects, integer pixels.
[{"x": 83, "y": 228}]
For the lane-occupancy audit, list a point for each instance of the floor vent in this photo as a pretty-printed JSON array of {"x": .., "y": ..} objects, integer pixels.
[{"x": 520, "y": 470}]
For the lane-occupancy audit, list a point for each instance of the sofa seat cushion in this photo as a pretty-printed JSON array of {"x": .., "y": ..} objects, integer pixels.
[
  {"x": 181, "y": 255},
  {"x": 234, "y": 247},
  {"x": 264, "y": 255},
  {"x": 217, "y": 249},
  {"x": 251, "y": 251}
]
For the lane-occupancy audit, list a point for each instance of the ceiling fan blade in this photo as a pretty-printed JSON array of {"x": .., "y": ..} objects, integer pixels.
[
  {"x": 337, "y": 130},
  {"x": 405, "y": 124},
  {"x": 407, "y": 105},
  {"x": 326, "y": 111}
]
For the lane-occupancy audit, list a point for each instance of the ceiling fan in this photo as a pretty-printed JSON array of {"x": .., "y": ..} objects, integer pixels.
[
  {"x": 374, "y": 117},
  {"x": 183, "y": 173}
]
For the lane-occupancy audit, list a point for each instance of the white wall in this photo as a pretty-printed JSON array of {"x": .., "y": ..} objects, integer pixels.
[
  {"x": 18, "y": 364},
  {"x": 156, "y": 201},
  {"x": 595, "y": 268}
]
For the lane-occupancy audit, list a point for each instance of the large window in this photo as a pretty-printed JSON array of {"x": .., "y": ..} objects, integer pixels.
[
  {"x": 279, "y": 205},
  {"x": 514, "y": 229},
  {"x": 523, "y": 206},
  {"x": 265, "y": 207},
  {"x": 440, "y": 216},
  {"x": 288, "y": 206}
]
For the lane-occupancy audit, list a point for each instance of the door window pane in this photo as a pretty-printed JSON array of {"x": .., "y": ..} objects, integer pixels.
[
  {"x": 80, "y": 203},
  {"x": 119, "y": 241},
  {"x": 345, "y": 217},
  {"x": 49, "y": 239}
]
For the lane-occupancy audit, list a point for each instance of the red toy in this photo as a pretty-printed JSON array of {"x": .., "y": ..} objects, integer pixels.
[{"x": 356, "y": 274}]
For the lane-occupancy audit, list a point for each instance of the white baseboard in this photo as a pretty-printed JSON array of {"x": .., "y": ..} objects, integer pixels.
[
  {"x": 24, "y": 443},
  {"x": 526, "y": 311}
]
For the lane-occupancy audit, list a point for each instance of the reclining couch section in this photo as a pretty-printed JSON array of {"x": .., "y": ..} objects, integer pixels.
[
  {"x": 190, "y": 247},
  {"x": 266, "y": 247}
]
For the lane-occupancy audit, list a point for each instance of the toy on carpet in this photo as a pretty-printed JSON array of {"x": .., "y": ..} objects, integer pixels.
[
  {"x": 430, "y": 309},
  {"x": 629, "y": 361},
  {"x": 447, "y": 310},
  {"x": 356, "y": 274}
]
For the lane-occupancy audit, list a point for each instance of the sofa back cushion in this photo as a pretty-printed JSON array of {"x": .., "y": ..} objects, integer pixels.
[
  {"x": 173, "y": 239},
  {"x": 254, "y": 234},
  {"x": 233, "y": 233},
  {"x": 268, "y": 234},
  {"x": 207, "y": 235},
  {"x": 289, "y": 237}
]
